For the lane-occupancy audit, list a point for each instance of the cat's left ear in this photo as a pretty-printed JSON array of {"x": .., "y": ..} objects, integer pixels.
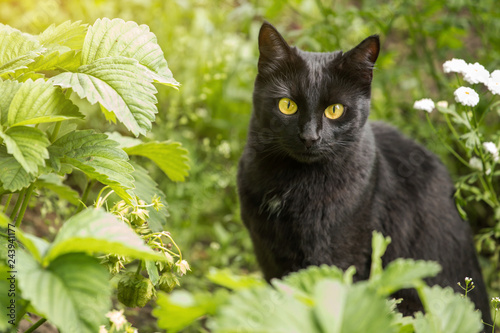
[{"x": 363, "y": 56}]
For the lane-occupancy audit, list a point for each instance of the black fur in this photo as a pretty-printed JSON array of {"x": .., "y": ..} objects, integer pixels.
[{"x": 312, "y": 189}]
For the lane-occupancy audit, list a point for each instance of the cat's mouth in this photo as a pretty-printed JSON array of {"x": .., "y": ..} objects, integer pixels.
[{"x": 307, "y": 156}]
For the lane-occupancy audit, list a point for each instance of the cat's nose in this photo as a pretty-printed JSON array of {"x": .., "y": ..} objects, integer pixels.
[{"x": 309, "y": 139}]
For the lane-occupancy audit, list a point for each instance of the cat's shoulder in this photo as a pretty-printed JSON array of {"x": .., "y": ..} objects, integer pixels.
[{"x": 404, "y": 154}]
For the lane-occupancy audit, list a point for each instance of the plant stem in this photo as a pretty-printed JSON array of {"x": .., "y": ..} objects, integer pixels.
[
  {"x": 25, "y": 204},
  {"x": 55, "y": 132},
  {"x": 85, "y": 195},
  {"x": 451, "y": 150},
  {"x": 36, "y": 325},
  {"x": 9, "y": 198},
  {"x": 139, "y": 268},
  {"x": 18, "y": 204}
]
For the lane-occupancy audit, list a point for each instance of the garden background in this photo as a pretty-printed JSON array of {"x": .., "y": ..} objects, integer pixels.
[{"x": 211, "y": 48}]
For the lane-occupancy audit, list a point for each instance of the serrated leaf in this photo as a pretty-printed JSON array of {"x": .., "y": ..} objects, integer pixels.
[
  {"x": 67, "y": 34},
  {"x": 96, "y": 231},
  {"x": 54, "y": 183},
  {"x": 403, "y": 273},
  {"x": 379, "y": 245},
  {"x": 28, "y": 145},
  {"x": 306, "y": 279},
  {"x": 40, "y": 102},
  {"x": 152, "y": 271},
  {"x": 263, "y": 310},
  {"x": 179, "y": 309},
  {"x": 120, "y": 85},
  {"x": 95, "y": 155},
  {"x": 12, "y": 174},
  {"x": 170, "y": 157},
  {"x": 17, "y": 50},
  {"x": 145, "y": 189},
  {"x": 9, "y": 90},
  {"x": 73, "y": 292},
  {"x": 446, "y": 312},
  {"x": 112, "y": 38},
  {"x": 225, "y": 278},
  {"x": 53, "y": 59}
]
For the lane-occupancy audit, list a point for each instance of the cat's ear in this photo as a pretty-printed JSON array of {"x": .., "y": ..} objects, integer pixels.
[
  {"x": 363, "y": 56},
  {"x": 272, "y": 47}
]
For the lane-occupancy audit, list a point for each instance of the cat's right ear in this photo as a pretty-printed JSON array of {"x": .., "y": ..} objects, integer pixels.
[{"x": 272, "y": 47}]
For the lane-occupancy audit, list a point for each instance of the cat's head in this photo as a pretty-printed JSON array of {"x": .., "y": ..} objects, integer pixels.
[{"x": 311, "y": 106}]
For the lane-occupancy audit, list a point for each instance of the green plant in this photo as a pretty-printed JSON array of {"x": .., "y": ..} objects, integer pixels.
[
  {"x": 324, "y": 299},
  {"x": 113, "y": 64},
  {"x": 474, "y": 143}
]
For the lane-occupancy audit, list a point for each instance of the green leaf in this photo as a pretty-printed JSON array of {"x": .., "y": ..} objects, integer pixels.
[
  {"x": 404, "y": 273},
  {"x": 179, "y": 309},
  {"x": 472, "y": 139},
  {"x": 120, "y": 85},
  {"x": 170, "y": 157},
  {"x": 9, "y": 90},
  {"x": 95, "y": 231},
  {"x": 224, "y": 277},
  {"x": 55, "y": 58},
  {"x": 145, "y": 189},
  {"x": 95, "y": 155},
  {"x": 263, "y": 310},
  {"x": 55, "y": 184},
  {"x": 28, "y": 145},
  {"x": 446, "y": 312},
  {"x": 152, "y": 271},
  {"x": 379, "y": 245},
  {"x": 66, "y": 34},
  {"x": 40, "y": 102},
  {"x": 12, "y": 174},
  {"x": 73, "y": 292},
  {"x": 307, "y": 279},
  {"x": 117, "y": 38},
  {"x": 17, "y": 50}
]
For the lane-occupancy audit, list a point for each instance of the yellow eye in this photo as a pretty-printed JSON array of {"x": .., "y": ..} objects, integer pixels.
[
  {"x": 287, "y": 106},
  {"x": 334, "y": 111}
]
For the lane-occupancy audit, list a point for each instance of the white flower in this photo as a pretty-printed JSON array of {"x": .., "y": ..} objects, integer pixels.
[
  {"x": 182, "y": 267},
  {"x": 102, "y": 329},
  {"x": 476, "y": 73},
  {"x": 425, "y": 104},
  {"x": 476, "y": 163},
  {"x": 455, "y": 66},
  {"x": 466, "y": 96},
  {"x": 442, "y": 104},
  {"x": 493, "y": 83},
  {"x": 491, "y": 148},
  {"x": 117, "y": 318},
  {"x": 495, "y": 74}
]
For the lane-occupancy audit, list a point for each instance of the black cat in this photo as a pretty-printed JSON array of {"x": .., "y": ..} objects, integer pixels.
[{"x": 316, "y": 178}]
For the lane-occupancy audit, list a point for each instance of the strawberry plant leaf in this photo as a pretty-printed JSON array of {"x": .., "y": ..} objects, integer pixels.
[
  {"x": 97, "y": 156},
  {"x": 73, "y": 292},
  {"x": 403, "y": 273},
  {"x": 12, "y": 174},
  {"x": 9, "y": 90},
  {"x": 96, "y": 231},
  {"x": 54, "y": 183},
  {"x": 17, "y": 50},
  {"x": 66, "y": 34},
  {"x": 121, "y": 85},
  {"x": 170, "y": 157},
  {"x": 28, "y": 145},
  {"x": 112, "y": 38},
  {"x": 40, "y": 102},
  {"x": 446, "y": 311},
  {"x": 145, "y": 189}
]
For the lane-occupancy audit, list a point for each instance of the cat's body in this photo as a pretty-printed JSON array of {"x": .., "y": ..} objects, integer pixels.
[{"x": 313, "y": 189}]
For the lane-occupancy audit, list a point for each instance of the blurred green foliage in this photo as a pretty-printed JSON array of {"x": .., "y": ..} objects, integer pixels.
[{"x": 211, "y": 47}]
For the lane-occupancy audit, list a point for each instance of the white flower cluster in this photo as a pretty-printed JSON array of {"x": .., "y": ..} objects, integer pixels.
[
  {"x": 491, "y": 148},
  {"x": 425, "y": 104}
]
